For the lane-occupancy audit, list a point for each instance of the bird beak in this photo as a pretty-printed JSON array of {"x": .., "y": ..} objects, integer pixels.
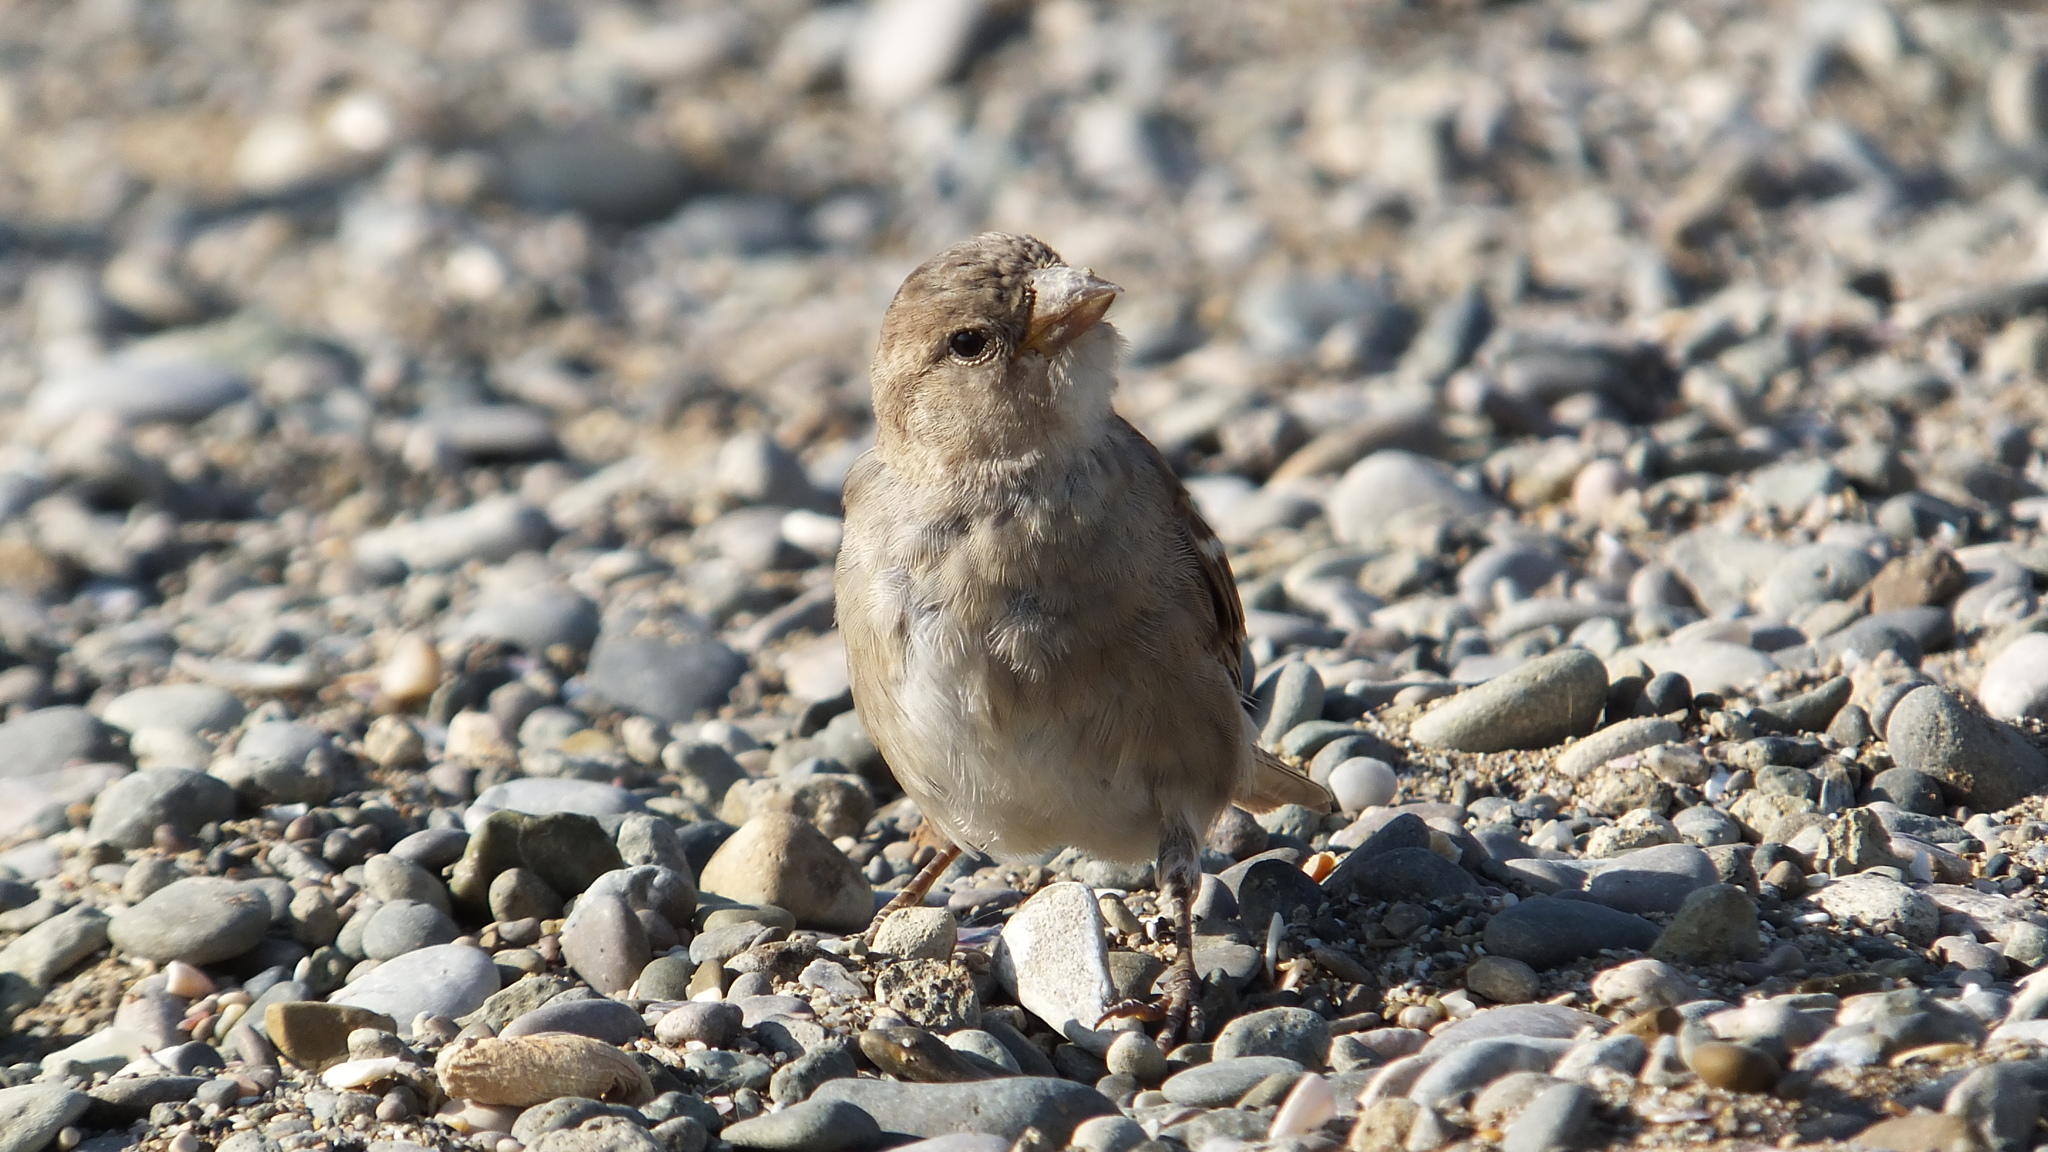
[{"x": 1067, "y": 302}]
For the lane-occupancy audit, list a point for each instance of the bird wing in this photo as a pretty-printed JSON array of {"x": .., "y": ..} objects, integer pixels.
[{"x": 1272, "y": 783}]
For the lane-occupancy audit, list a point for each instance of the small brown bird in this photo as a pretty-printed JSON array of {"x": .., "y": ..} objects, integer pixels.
[{"x": 1044, "y": 638}]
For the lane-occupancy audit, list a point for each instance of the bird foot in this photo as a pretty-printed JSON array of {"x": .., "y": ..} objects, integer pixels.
[{"x": 1174, "y": 1009}]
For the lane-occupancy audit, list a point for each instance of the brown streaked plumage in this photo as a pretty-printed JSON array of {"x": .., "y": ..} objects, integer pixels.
[{"x": 1044, "y": 637}]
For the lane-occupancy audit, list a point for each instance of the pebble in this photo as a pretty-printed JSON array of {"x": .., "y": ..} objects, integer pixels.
[
  {"x": 199, "y": 919},
  {"x": 532, "y": 1070},
  {"x": 669, "y": 682},
  {"x": 713, "y": 1024},
  {"x": 1362, "y": 782},
  {"x": 811, "y": 1126},
  {"x": 1654, "y": 879},
  {"x": 188, "y": 708},
  {"x": 782, "y": 860},
  {"x": 1616, "y": 740},
  {"x": 51, "y": 948},
  {"x": 1556, "y": 1118},
  {"x": 1294, "y": 1033},
  {"x": 1502, "y": 980},
  {"x": 1222, "y": 1083},
  {"x": 51, "y": 738},
  {"x": 2015, "y": 682},
  {"x": 1715, "y": 924},
  {"x": 491, "y": 530},
  {"x": 315, "y": 1035},
  {"x": 1535, "y": 706},
  {"x": 1391, "y": 494},
  {"x": 31, "y": 1115},
  {"x": 1881, "y": 904},
  {"x": 1641, "y": 986},
  {"x": 1984, "y": 763},
  {"x": 450, "y": 980},
  {"x": 918, "y": 934},
  {"x": 606, "y": 1020},
  {"x": 1546, "y": 932},
  {"x": 605, "y": 942},
  {"x": 542, "y": 796},
  {"x": 1004, "y": 1107}
]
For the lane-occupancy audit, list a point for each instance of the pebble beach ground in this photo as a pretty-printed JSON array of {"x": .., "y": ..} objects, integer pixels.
[{"x": 421, "y": 723}]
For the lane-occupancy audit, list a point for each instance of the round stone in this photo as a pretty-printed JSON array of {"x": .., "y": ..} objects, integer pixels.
[
  {"x": 1502, "y": 979},
  {"x": 1363, "y": 782},
  {"x": 1540, "y": 704},
  {"x": 403, "y": 926},
  {"x": 128, "y": 813},
  {"x": 200, "y": 920}
]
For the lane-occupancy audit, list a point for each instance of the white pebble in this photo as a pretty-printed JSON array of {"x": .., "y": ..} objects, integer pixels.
[{"x": 1363, "y": 782}]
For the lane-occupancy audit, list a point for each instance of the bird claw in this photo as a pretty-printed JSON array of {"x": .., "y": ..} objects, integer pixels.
[{"x": 1174, "y": 1009}]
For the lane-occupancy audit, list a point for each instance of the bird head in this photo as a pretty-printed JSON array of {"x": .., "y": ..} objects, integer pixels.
[{"x": 994, "y": 349}]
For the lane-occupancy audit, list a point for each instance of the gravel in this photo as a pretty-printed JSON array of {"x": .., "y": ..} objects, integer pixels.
[{"x": 420, "y": 443}]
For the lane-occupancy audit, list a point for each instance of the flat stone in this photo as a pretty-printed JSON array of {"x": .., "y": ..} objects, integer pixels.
[
  {"x": 534, "y": 619},
  {"x": 669, "y": 682},
  {"x": 315, "y": 1035},
  {"x": 1052, "y": 959},
  {"x": 1880, "y": 904},
  {"x": 51, "y": 948},
  {"x": 528, "y": 1070},
  {"x": 1222, "y": 1083},
  {"x": 138, "y": 388},
  {"x": 606, "y": 1020},
  {"x": 1294, "y": 1033},
  {"x": 52, "y": 738},
  {"x": 1004, "y": 1107},
  {"x": 1391, "y": 495},
  {"x": 1546, "y": 932},
  {"x": 1540, "y": 704},
  {"x": 31, "y": 1115},
  {"x": 200, "y": 920},
  {"x": 1555, "y": 1119},
  {"x": 128, "y": 812},
  {"x": 1540, "y": 1021},
  {"x": 812, "y": 1126},
  {"x": 1615, "y": 740},
  {"x": 1412, "y": 874},
  {"x": 540, "y": 796},
  {"x": 188, "y": 708},
  {"x": 1654, "y": 879},
  {"x": 492, "y": 530},
  {"x": 445, "y": 980},
  {"x": 1471, "y": 1067},
  {"x": 605, "y": 943}
]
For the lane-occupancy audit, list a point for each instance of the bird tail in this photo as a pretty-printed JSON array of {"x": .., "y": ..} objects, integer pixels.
[{"x": 1274, "y": 784}]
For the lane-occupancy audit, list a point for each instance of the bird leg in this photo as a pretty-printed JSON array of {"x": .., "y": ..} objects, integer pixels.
[
  {"x": 912, "y": 894},
  {"x": 1175, "y": 1007}
]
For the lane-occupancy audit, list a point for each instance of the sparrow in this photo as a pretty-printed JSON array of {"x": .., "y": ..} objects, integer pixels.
[{"x": 1043, "y": 636}]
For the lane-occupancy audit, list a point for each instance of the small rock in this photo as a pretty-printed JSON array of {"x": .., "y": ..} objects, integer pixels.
[
  {"x": 449, "y": 980},
  {"x": 669, "y": 682},
  {"x": 918, "y": 934},
  {"x": 1052, "y": 959},
  {"x": 200, "y": 920},
  {"x": 1537, "y": 705},
  {"x": 1222, "y": 1083},
  {"x": 1881, "y": 904},
  {"x": 1985, "y": 763},
  {"x": 128, "y": 813},
  {"x": 1641, "y": 986},
  {"x": 606, "y": 1020},
  {"x": 315, "y": 1036},
  {"x": 1295, "y": 1033},
  {"x": 532, "y": 1070},
  {"x": 812, "y": 1126},
  {"x": 1546, "y": 932},
  {"x": 1003, "y": 1108},
  {"x": 1363, "y": 782},
  {"x": 31, "y": 1115},
  {"x": 188, "y": 708},
  {"x": 782, "y": 860},
  {"x": 1502, "y": 980},
  {"x": 1556, "y": 1118},
  {"x": 1716, "y": 924},
  {"x": 2015, "y": 682}
]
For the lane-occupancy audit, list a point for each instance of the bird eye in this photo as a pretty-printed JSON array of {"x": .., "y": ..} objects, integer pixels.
[{"x": 967, "y": 343}]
